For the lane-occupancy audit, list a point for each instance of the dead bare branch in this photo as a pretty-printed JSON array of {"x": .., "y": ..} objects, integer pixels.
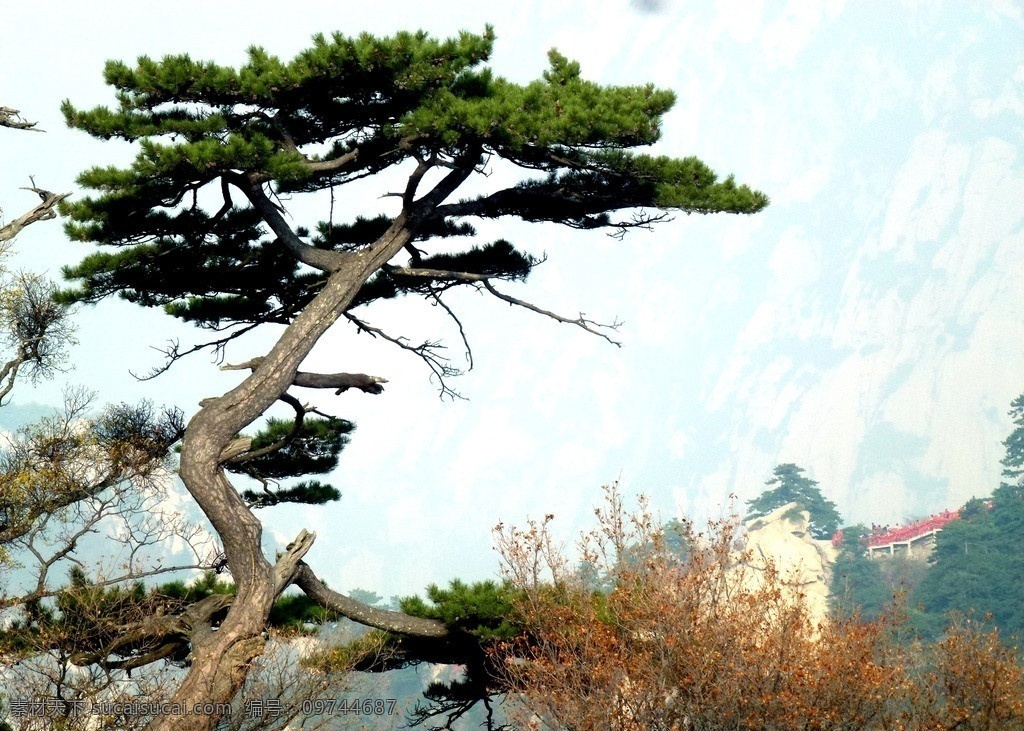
[
  {"x": 591, "y": 326},
  {"x": 582, "y": 322},
  {"x": 12, "y": 118},
  {"x": 173, "y": 353},
  {"x": 44, "y": 211},
  {"x": 339, "y": 381},
  {"x": 289, "y": 563},
  {"x": 641, "y": 219}
]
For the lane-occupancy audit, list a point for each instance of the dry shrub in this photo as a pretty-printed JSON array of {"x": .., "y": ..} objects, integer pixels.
[{"x": 645, "y": 638}]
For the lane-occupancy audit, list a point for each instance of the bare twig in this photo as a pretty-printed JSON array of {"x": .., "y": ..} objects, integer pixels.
[
  {"x": 458, "y": 323},
  {"x": 484, "y": 280},
  {"x": 582, "y": 322},
  {"x": 640, "y": 219},
  {"x": 428, "y": 352},
  {"x": 173, "y": 353}
]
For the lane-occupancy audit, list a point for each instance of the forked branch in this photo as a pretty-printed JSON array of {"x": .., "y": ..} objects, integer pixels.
[
  {"x": 428, "y": 351},
  {"x": 42, "y": 212}
]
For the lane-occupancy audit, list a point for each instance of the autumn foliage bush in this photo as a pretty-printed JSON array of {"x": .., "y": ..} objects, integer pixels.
[{"x": 640, "y": 636}]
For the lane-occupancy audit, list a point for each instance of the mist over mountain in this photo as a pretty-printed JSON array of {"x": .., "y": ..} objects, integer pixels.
[{"x": 867, "y": 326}]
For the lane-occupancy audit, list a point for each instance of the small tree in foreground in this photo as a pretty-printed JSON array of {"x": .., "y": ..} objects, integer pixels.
[
  {"x": 33, "y": 327},
  {"x": 197, "y": 226},
  {"x": 72, "y": 476}
]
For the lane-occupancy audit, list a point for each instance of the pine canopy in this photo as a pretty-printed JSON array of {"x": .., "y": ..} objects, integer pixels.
[{"x": 188, "y": 236}]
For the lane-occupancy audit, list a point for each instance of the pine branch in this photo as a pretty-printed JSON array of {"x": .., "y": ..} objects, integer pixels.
[
  {"x": 300, "y": 416},
  {"x": 34, "y": 596},
  {"x": 322, "y": 259}
]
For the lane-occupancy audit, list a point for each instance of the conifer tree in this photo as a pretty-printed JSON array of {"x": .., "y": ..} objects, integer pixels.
[
  {"x": 977, "y": 566},
  {"x": 789, "y": 485},
  {"x": 858, "y": 586},
  {"x": 197, "y": 225},
  {"x": 1013, "y": 460}
]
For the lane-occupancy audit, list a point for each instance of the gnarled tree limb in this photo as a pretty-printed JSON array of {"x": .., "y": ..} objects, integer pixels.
[
  {"x": 382, "y": 619},
  {"x": 42, "y": 212},
  {"x": 290, "y": 562},
  {"x": 339, "y": 381},
  {"x": 157, "y": 636}
]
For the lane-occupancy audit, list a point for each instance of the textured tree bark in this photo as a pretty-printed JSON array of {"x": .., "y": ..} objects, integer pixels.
[{"x": 220, "y": 659}]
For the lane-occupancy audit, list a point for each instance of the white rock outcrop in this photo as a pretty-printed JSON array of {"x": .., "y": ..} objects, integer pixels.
[{"x": 782, "y": 537}]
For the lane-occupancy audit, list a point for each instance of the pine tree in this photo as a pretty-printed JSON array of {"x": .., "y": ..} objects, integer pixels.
[
  {"x": 858, "y": 587},
  {"x": 977, "y": 568},
  {"x": 1013, "y": 460},
  {"x": 788, "y": 485},
  {"x": 196, "y": 226}
]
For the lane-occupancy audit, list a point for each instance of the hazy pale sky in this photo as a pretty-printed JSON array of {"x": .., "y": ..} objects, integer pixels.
[{"x": 867, "y": 326}]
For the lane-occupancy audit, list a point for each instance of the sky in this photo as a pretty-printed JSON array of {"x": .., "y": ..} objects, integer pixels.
[{"x": 867, "y": 326}]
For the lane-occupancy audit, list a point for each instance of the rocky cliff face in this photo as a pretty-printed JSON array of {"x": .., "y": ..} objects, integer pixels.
[{"x": 782, "y": 538}]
